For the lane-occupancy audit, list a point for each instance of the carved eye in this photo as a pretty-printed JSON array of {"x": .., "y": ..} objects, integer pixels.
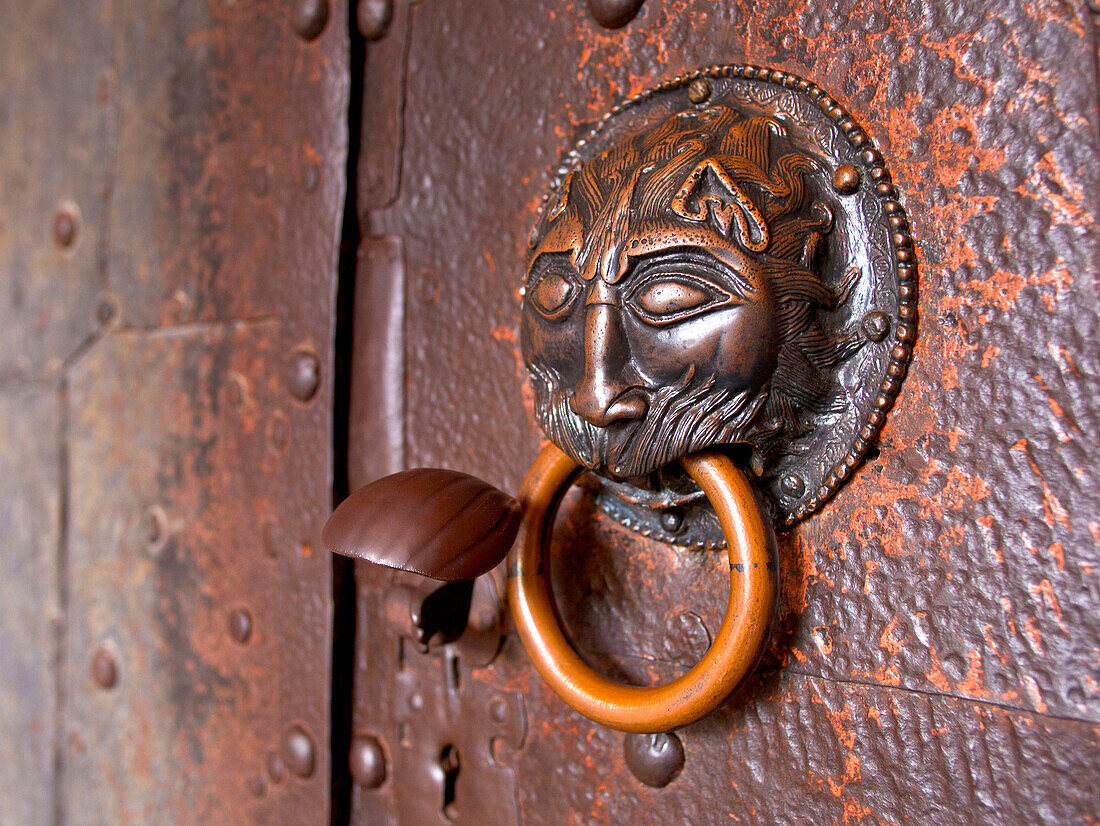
[
  {"x": 668, "y": 298},
  {"x": 553, "y": 293}
]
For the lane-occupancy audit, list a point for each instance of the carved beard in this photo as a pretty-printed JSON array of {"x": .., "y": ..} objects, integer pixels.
[{"x": 681, "y": 418}]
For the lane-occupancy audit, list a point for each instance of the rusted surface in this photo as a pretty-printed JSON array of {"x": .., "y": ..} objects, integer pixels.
[
  {"x": 936, "y": 651},
  {"x": 55, "y": 131},
  {"x": 197, "y": 706},
  {"x": 30, "y": 523},
  {"x": 54, "y": 168},
  {"x": 176, "y": 174}
]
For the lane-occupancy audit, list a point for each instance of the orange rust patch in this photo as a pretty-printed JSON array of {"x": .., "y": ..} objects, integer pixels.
[
  {"x": 888, "y": 641},
  {"x": 1034, "y": 636},
  {"x": 1033, "y": 692},
  {"x": 973, "y": 684},
  {"x": 987, "y": 632},
  {"x": 1044, "y": 594}
]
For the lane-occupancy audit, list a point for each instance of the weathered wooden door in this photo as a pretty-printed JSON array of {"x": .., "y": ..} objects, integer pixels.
[{"x": 179, "y": 407}]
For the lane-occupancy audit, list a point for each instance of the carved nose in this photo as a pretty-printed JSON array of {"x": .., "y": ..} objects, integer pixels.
[{"x": 604, "y": 395}]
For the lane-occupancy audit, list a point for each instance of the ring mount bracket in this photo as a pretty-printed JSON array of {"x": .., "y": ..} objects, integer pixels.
[{"x": 722, "y": 262}]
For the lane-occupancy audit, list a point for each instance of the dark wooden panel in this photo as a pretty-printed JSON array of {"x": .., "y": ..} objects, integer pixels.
[
  {"x": 30, "y": 527},
  {"x": 957, "y": 566}
]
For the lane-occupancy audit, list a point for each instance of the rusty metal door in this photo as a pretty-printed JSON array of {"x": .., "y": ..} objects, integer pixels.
[
  {"x": 936, "y": 653},
  {"x": 177, "y": 406},
  {"x": 173, "y": 179}
]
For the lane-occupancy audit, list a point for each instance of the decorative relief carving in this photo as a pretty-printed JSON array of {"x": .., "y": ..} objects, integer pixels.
[{"x": 702, "y": 274}]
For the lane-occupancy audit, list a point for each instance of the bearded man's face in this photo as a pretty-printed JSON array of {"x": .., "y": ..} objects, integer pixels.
[
  {"x": 661, "y": 357},
  {"x": 651, "y": 317}
]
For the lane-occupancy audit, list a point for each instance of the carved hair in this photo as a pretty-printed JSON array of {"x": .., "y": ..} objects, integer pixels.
[{"x": 741, "y": 175}]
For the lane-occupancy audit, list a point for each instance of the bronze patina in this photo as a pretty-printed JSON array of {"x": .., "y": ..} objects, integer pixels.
[{"x": 718, "y": 264}]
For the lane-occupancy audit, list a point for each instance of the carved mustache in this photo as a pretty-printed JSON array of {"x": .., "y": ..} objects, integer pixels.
[{"x": 683, "y": 417}]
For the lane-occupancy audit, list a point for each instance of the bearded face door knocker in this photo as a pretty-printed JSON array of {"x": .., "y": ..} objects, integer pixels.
[{"x": 717, "y": 312}]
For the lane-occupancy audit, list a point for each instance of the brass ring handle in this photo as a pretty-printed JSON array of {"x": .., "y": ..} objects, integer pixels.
[{"x": 735, "y": 649}]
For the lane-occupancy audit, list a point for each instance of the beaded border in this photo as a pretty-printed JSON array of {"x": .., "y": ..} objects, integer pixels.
[{"x": 904, "y": 253}]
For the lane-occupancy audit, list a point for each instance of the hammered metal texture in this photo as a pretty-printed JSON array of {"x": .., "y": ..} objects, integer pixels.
[
  {"x": 935, "y": 655},
  {"x": 175, "y": 181}
]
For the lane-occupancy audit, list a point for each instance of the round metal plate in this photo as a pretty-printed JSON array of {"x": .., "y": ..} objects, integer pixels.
[{"x": 869, "y": 247}]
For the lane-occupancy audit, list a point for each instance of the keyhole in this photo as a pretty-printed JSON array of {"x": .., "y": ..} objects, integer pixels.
[{"x": 449, "y": 763}]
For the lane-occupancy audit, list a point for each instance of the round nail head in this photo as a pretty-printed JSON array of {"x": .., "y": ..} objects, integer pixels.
[
  {"x": 846, "y": 179},
  {"x": 303, "y": 375},
  {"x": 793, "y": 485},
  {"x": 64, "y": 227},
  {"x": 298, "y": 752},
  {"x": 310, "y": 17},
  {"x": 876, "y": 325},
  {"x": 373, "y": 18},
  {"x": 367, "y": 762},
  {"x": 104, "y": 669},
  {"x": 672, "y": 519},
  {"x": 240, "y": 625},
  {"x": 655, "y": 759},
  {"x": 614, "y": 14}
]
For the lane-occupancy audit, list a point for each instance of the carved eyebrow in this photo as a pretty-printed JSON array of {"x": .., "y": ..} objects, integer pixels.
[
  {"x": 694, "y": 261},
  {"x": 546, "y": 260}
]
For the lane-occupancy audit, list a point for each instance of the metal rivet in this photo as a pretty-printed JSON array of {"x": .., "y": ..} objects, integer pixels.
[
  {"x": 367, "y": 762},
  {"x": 236, "y": 391},
  {"x": 672, "y": 519},
  {"x": 655, "y": 759},
  {"x": 105, "y": 311},
  {"x": 614, "y": 14},
  {"x": 311, "y": 177},
  {"x": 793, "y": 485},
  {"x": 298, "y": 752},
  {"x": 876, "y": 325},
  {"x": 104, "y": 668},
  {"x": 498, "y": 710},
  {"x": 303, "y": 375},
  {"x": 846, "y": 179},
  {"x": 240, "y": 625},
  {"x": 275, "y": 767},
  {"x": 310, "y": 18},
  {"x": 699, "y": 90},
  {"x": 65, "y": 224},
  {"x": 416, "y": 701},
  {"x": 373, "y": 18},
  {"x": 156, "y": 526},
  {"x": 278, "y": 431}
]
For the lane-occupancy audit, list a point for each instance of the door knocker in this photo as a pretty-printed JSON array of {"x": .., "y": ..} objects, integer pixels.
[{"x": 718, "y": 309}]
